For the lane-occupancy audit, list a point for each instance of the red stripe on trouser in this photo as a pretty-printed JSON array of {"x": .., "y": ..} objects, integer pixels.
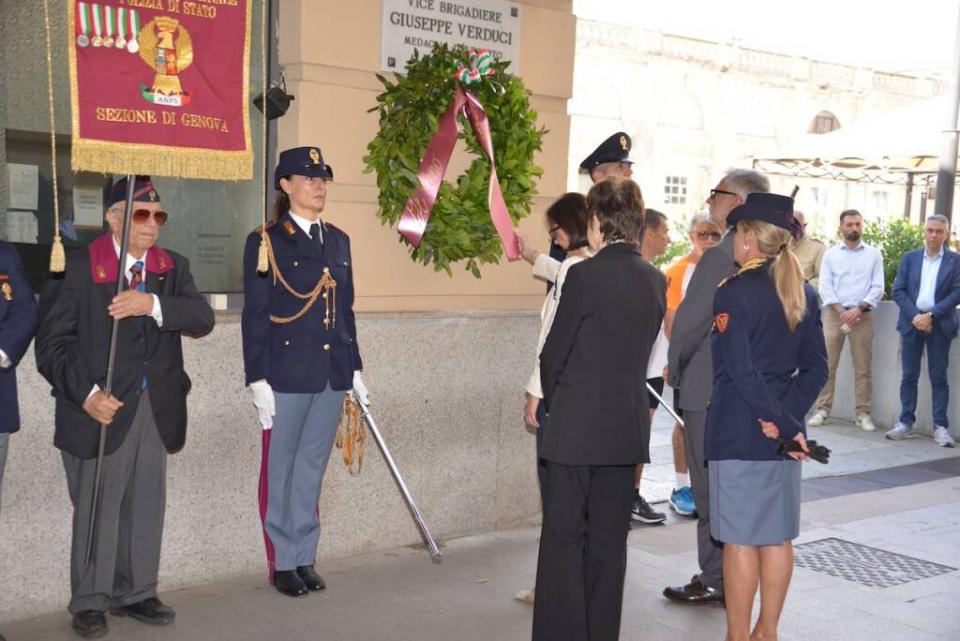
[{"x": 262, "y": 494}]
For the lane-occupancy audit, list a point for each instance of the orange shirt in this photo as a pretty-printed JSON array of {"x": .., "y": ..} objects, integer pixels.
[{"x": 675, "y": 276}]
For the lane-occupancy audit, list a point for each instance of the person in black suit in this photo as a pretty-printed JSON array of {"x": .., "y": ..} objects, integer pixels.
[
  {"x": 146, "y": 412},
  {"x": 593, "y": 369},
  {"x": 18, "y": 321}
]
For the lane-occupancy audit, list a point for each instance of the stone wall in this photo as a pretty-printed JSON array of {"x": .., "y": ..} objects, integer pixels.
[{"x": 446, "y": 390}]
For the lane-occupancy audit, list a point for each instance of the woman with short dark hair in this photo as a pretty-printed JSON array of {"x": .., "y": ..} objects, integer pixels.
[{"x": 593, "y": 371}]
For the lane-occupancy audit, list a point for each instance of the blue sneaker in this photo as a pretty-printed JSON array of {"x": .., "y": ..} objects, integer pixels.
[{"x": 681, "y": 500}]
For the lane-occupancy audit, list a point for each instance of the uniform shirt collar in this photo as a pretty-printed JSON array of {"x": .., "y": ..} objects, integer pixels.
[{"x": 304, "y": 224}]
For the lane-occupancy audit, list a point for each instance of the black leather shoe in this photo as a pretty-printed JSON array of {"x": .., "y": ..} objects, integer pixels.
[
  {"x": 89, "y": 624},
  {"x": 311, "y": 579},
  {"x": 289, "y": 582},
  {"x": 694, "y": 593},
  {"x": 151, "y": 611}
]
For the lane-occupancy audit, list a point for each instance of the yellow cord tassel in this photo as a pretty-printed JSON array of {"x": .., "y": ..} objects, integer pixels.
[
  {"x": 58, "y": 257},
  {"x": 263, "y": 262},
  {"x": 351, "y": 435}
]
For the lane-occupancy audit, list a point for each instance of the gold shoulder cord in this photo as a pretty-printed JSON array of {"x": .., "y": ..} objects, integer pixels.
[
  {"x": 326, "y": 287},
  {"x": 351, "y": 435}
]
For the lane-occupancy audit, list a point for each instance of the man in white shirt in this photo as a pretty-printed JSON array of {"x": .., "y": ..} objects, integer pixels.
[{"x": 851, "y": 285}]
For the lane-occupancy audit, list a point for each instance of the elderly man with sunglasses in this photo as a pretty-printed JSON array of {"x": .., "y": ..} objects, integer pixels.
[
  {"x": 690, "y": 369},
  {"x": 145, "y": 413}
]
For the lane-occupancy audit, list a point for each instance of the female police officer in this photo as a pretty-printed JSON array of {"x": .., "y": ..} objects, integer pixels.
[
  {"x": 769, "y": 363},
  {"x": 301, "y": 356}
]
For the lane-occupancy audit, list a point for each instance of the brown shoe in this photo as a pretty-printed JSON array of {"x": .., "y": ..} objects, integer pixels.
[{"x": 694, "y": 593}]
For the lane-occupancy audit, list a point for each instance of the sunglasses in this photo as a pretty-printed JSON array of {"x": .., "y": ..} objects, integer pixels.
[
  {"x": 703, "y": 235},
  {"x": 140, "y": 216},
  {"x": 715, "y": 192}
]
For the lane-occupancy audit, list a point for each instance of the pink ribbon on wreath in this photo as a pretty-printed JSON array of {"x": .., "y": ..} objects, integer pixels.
[{"x": 436, "y": 158}]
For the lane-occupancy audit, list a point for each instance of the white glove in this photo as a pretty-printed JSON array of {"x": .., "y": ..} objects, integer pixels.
[
  {"x": 359, "y": 389},
  {"x": 263, "y": 400}
]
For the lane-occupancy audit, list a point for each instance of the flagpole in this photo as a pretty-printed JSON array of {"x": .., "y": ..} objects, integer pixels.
[{"x": 111, "y": 361}]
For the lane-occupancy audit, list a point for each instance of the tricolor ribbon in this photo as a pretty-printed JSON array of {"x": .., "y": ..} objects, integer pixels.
[
  {"x": 480, "y": 60},
  {"x": 108, "y": 11},
  {"x": 122, "y": 23},
  {"x": 97, "y": 21},
  {"x": 436, "y": 158},
  {"x": 134, "y": 24},
  {"x": 84, "y": 23}
]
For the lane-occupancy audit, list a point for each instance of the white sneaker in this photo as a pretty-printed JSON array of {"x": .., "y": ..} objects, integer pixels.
[
  {"x": 526, "y": 596},
  {"x": 865, "y": 423},
  {"x": 819, "y": 418},
  {"x": 900, "y": 432},
  {"x": 941, "y": 436}
]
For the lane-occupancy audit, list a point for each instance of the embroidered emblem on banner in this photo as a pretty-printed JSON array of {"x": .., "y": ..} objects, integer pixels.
[{"x": 720, "y": 322}]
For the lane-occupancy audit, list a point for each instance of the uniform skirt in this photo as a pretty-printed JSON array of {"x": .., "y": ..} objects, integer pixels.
[{"x": 754, "y": 502}]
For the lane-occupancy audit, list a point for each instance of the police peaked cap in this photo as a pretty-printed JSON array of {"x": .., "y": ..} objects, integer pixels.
[
  {"x": 301, "y": 161},
  {"x": 143, "y": 191},
  {"x": 769, "y": 208},
  {"x": 616, "y": 148}
]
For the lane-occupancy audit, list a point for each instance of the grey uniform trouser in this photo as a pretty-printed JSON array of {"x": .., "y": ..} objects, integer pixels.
[
  {"x": 126, "y": 550},
  {"x": 302, "y": 436},
  {"x": 4, "y": 438},
  {"x": 710, "y": 552}
]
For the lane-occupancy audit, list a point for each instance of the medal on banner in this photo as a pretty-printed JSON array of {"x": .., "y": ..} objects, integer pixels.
[
  {"x": 108, "y": 13},
  {"x": 97, "y": 26},
  {"x": 121, "y": 42},
  {"x": 133, "y": 46},
  {"x": 83, "y": 24}
]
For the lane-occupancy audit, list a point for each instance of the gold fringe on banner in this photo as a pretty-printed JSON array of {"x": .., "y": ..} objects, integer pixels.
[{"x": 157, "y": 160}]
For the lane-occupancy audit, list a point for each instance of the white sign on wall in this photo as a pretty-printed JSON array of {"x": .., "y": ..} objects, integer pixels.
[{"x": 417, "y": 24}]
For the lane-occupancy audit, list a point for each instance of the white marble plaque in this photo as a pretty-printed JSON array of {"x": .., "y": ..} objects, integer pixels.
[{"x": 417, "y": 24}]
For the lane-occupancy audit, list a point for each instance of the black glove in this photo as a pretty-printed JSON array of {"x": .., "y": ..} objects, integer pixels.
[{"x": 818, "y": 453}]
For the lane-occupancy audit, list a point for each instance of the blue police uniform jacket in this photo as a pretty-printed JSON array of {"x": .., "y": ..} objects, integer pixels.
[
  {"x": 304, "y": 355},
  {"x": 761, "y": 370},
  {"x": 18, "y": 322}
]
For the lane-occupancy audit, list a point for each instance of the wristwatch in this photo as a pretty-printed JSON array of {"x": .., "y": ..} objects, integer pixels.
[{"x": 864, "y": 307}]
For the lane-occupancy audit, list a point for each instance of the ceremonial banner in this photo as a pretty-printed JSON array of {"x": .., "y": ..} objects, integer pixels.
[{"x": 161, "y": 87}]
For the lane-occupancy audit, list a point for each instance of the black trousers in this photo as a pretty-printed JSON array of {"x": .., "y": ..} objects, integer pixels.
[{"x": 583, "y": 552}]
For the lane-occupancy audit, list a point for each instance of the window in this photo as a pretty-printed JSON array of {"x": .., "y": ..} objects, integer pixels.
[
  {"x": 823, "y": 123},
  {"x": 675, "y": 190}
]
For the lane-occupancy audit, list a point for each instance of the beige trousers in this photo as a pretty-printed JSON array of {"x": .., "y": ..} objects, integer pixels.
[{"x": 861, "y": 349}]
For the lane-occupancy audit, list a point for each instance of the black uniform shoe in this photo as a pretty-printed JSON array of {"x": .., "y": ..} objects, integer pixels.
[
  {"x": 89, "y": 624},
  {"x": 151, "y": 611},
  {"x": 289, "y": 582},
  {"x": 694, "y": 593},
  {"x": 311, "y": 579}
]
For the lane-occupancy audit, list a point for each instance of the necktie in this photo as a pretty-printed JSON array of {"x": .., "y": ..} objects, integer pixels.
[
  {"x": 136, "y": 277},
  {"x": 315, "y": 234},
  {"x": 136, "y": 282}
]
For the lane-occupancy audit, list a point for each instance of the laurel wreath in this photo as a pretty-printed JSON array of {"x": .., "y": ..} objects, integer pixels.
[{"x": 460, "y": 228}]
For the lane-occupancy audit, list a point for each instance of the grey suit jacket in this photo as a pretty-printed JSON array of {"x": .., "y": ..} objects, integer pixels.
[{"x": 690, "y": 362}]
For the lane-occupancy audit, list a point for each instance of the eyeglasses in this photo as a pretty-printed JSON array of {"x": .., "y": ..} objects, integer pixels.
[
  {"x": 553, "y": 230},
  {"x": 703, "y": 235},
  {"x": 714, "y": 192},
  {"x": 141, "y": 216}
]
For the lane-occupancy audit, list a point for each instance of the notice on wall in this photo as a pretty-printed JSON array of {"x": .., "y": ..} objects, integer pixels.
[
  {"x": 24, "y": 186},
  {"x": 409, "y": 25},
  {"x": 88, "y": 207}
]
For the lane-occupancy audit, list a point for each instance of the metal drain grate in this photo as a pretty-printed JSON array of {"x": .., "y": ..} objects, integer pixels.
[{"x": 863, "y": 564}]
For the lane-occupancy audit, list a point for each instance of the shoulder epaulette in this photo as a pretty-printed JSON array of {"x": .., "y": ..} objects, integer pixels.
[
  {"x": 262, "y": 227},
  {"x": 728, "y": 279}
]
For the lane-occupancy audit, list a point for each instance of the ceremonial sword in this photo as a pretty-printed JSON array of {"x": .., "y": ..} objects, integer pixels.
[
  {"x": 665, "y": 406},
  {"x": 435, "y": 553}
]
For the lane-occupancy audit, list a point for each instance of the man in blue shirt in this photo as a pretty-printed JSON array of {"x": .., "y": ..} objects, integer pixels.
[
  {"x": 927, "y": 290},
  {"x": 851, "y": 285}
]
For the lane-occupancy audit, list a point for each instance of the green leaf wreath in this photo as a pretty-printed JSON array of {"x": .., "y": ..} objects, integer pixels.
[{"x": 460, "y": 227}]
